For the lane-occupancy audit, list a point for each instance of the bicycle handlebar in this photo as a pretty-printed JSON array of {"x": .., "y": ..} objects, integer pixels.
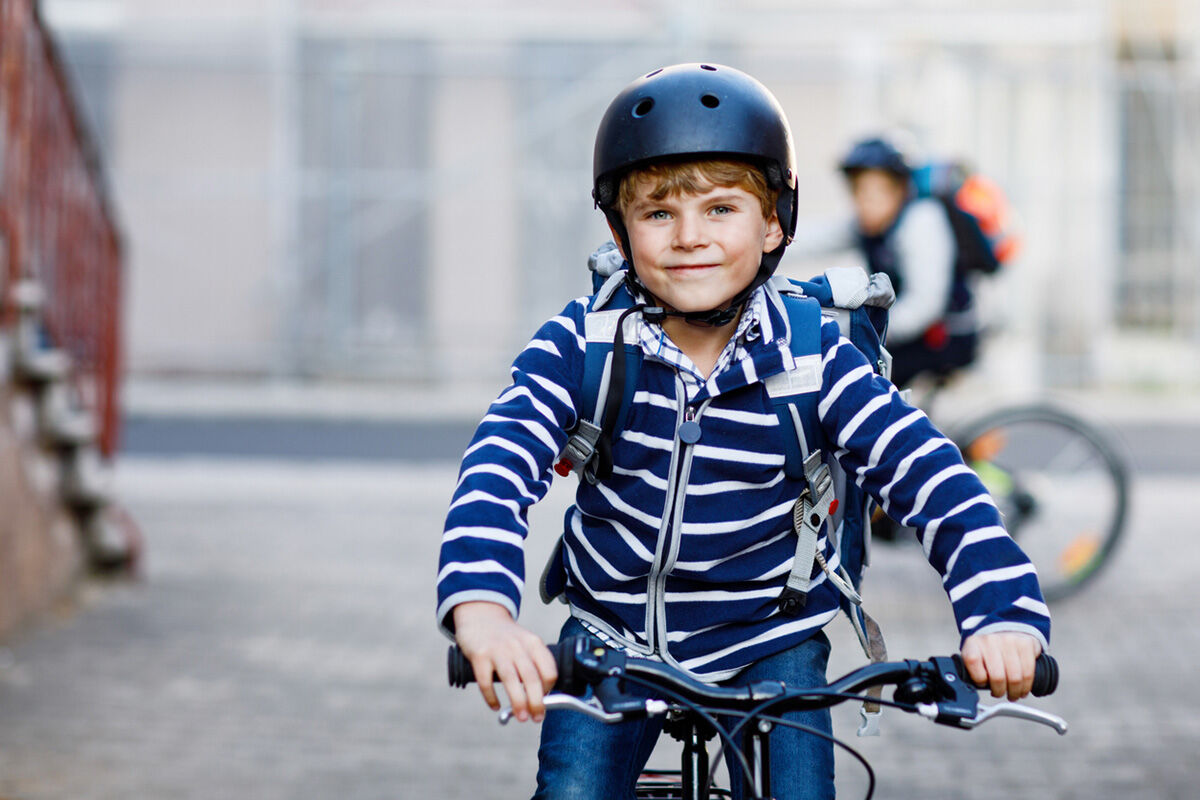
[
  {"x": 938, "y": 688},
  {"x": 567, "y": 656}
]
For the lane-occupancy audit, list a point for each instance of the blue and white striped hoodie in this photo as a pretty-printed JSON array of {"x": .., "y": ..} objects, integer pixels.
[{"x": 682, "y": 553}]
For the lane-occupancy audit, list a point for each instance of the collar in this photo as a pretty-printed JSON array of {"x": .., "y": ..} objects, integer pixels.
[{"x": 758, "y": 348}]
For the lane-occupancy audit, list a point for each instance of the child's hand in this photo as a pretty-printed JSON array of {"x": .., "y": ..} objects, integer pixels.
[
  {"x": 1004, "y": 662},
  {"x": 494, "y": 643}
]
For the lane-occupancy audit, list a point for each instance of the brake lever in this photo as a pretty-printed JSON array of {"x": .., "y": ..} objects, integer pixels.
[
  {"x": 1019, "y": 712},
  {"x": 591, "y": 707},
  {"x": 935, "y": 712},
  {"x": 554, "y": 700},
  {"x": 958, "y": 702}
]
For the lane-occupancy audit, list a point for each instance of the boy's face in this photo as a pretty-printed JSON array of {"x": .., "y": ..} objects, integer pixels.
[
  {"x": 697, "y": 251},
  {"x": 878, "y": 197}
]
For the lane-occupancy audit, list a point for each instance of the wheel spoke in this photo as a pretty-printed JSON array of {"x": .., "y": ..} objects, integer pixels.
[{"x": 1060, "y": 486}]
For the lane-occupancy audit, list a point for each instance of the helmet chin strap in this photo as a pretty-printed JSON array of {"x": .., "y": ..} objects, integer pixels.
[{"x": 714, "y": 317}]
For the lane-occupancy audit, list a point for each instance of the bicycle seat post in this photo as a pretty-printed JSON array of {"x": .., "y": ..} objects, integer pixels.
[{"x": 694, "y": 734}]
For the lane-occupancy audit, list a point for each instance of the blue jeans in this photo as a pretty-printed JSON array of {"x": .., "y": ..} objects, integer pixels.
[{"x": 581, "y": 758}]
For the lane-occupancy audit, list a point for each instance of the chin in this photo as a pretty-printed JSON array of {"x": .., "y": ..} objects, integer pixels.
[{"x": 703, "y": 306}]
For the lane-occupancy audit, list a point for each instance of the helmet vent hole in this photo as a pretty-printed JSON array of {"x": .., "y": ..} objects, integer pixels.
[
  {"x": 708, "y": 67},
  {"x": 710, "y": 100},
  {"x": 643, "y": 107},
  {"x": 652, "y": 74}
]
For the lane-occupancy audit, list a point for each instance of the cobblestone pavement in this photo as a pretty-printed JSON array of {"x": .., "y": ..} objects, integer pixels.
[{"x": 280, "y": 644}]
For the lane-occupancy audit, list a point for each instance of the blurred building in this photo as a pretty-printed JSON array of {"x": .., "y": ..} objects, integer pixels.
[{"x": 369, "y": 189}]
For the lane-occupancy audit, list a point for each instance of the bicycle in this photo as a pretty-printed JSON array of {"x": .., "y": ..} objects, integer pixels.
[
  {"x": 1057, "y": 479},
  {"x": 592, "y": 679},
  {"x": 1062, "y": 487}
]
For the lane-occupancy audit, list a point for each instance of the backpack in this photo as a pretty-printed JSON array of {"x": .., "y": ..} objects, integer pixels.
[
  {"x": 978, "y": 212},
  {"x": 859, "y": 303}
]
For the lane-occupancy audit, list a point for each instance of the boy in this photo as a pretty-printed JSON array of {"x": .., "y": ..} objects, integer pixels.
[
  {"x": 932, "y": 328},
  {"x": 681, "y": 546}
]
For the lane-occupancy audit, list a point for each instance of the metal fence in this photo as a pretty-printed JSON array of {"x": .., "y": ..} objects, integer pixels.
[{"x": 55, "y": 223}]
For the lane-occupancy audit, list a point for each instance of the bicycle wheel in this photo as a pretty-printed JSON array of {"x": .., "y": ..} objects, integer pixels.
[{"x": 1061, "y": 486}]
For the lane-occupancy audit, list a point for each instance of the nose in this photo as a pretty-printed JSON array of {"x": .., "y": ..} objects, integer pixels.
[{"x": 690, "y": 232}]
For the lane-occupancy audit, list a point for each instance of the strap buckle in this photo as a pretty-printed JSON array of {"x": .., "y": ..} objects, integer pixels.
[
  {"x": 812, "y": 508},
  {"x": 579, "y": 453}
]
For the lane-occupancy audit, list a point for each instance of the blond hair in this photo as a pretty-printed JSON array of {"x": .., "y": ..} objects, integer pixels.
[{"x": 673, "y": 178}]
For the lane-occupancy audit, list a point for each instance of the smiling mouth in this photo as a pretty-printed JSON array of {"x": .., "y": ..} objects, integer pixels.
[{"x": 687, "y": 267}]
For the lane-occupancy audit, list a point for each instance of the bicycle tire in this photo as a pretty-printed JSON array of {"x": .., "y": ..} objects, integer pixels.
[{"x": 1067, "y": 514}]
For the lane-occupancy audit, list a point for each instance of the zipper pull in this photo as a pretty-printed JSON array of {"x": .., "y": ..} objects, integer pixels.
[{"x": 689, "y": 429}]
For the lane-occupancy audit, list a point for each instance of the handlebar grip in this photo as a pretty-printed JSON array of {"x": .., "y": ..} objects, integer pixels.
[
  {"x": 462, "y": 673},
  {"x": 460, "y": 670},
  {"x": 1045, "y": 674}
]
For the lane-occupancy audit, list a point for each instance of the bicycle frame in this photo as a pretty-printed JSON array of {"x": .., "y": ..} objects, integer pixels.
[{"x": 693, "y": 733}]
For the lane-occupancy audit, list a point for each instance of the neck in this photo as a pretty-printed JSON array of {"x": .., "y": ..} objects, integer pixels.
[{"x": 701, "y": 343}]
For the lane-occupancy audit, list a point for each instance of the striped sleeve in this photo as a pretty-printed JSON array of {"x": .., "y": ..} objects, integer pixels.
[
  {"x": 507, "y": 468},
  {"x": 918, "y": 477}
]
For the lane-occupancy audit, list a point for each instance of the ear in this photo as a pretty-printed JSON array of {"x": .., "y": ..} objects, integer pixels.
[
  {"x": 774, "y": 235},
  {"x": 617, "y": 240}
]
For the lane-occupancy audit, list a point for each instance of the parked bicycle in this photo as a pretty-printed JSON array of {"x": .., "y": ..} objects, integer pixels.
[{"x": 594, "y": 679}]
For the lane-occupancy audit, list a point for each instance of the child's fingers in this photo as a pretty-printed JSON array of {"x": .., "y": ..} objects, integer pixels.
[
  {"x": 1004, "y": 663},
  {"x": 545, "y": 664},
  {"x": 511, "y": 679},
  {"x": 1018, "y": 664},
  {"x": 997, "y": 670},
  {"x": 1027, "y": 651},
  {"x": 536, "y": 672},
  {"x": 531, "y": 681},
  {"x": 972, "y": 655},
  {"x": 985, "y": 664},
  {"x": 483, "y": 678}
]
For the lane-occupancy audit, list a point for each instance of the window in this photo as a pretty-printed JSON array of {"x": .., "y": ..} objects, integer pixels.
[
  {"x": 1158, "y": 282},
  {"x": 363, "y": 207}
]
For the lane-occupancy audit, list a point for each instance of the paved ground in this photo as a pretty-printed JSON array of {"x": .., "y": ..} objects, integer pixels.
[{"x": 280, "y": 645}]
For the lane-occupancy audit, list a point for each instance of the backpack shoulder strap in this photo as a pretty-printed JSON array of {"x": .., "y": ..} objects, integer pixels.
[
  {"x": 794, "y": 394},
  {"x": 859, "y": 304},
  {"x": 604, "y": 310},
  {"x": 597, "y": 425},
  {"x": 590, "y": 442}
]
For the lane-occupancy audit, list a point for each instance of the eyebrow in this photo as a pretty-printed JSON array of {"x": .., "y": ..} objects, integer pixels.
[
  {"x": 727, "y": 198},
  {"x": 720, "y": 197}
]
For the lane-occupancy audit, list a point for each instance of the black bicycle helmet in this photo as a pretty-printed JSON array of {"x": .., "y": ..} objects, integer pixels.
[
  {"x": 691, "y": 111},
  {"x": 876, "y": 153}
]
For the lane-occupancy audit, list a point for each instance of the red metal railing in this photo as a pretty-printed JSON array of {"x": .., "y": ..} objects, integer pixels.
[{"x": 55, "y": 222}]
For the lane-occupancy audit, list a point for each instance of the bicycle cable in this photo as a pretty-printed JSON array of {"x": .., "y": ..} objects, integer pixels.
[
  {"x": 757, "y": 713},
  {"x": 746, "y": 717},
  {"x": 857, "y": 755},
  {"x": 700, "y": 710}
]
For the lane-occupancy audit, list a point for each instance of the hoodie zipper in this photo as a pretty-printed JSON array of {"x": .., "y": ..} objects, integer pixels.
[{"x": 670, "y": 532}]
